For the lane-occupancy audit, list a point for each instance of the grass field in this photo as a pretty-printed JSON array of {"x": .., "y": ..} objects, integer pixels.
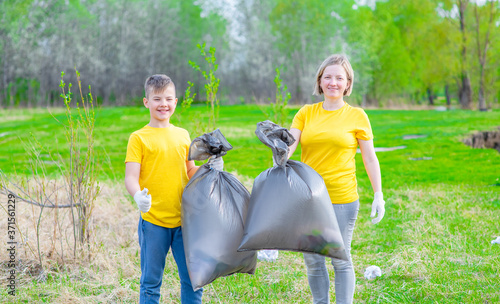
[{"x": 433, "y": 246}]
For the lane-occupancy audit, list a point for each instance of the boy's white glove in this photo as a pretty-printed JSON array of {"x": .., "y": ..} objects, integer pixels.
[
  {"x": 143, "y": 200},
  {"x": 217, "y": 163},
  {"x": 378, "y": 207}
]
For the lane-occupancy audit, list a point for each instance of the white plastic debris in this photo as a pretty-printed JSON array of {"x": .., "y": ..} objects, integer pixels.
[
  {"x": 496, "y": 241},
  {"x": 372, "y": 272},
  {"x": 267, "y": 255}
]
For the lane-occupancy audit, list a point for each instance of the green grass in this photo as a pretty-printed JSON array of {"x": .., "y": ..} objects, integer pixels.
[{"x": 433, "y": 245}]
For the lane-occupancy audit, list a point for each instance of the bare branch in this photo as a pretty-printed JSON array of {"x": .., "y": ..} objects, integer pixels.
[{"x": 8, "y": 191}]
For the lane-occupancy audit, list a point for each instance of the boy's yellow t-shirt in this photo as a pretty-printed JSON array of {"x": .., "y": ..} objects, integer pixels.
[
  {"x": 329, "y": 143},
  {"x": 162, "y": 153}
]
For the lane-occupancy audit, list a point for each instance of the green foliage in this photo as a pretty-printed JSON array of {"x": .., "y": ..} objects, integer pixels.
[
  {"x": 194, "y": 118},
  {"x": 399, "y": 49},
  {"x": 305, "y": 34},
  {"x": 278, "y": 111},
  {"x": 59, "y": 178},
  {"x": 211, "y": 85},
  {"x": 81, "y": 170},
  {"x": 188, "y": 98}
]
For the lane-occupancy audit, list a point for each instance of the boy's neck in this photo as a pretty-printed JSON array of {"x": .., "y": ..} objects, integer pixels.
[{"x": 159, "y": 124}]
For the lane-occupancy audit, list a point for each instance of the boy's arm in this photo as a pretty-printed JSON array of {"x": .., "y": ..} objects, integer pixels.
[
  {"x": 132, "y": 172},
  {"x": 142, "y": 198},
  {"x": 191, "y": 168}
]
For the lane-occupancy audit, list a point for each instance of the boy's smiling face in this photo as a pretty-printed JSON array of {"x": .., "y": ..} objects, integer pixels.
[{"x": 161, "y": 107}]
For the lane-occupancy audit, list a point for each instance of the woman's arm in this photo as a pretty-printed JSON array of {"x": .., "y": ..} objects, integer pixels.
[
  {"x": 372, "y": 165},
  {"x": 296, "y": 134}
]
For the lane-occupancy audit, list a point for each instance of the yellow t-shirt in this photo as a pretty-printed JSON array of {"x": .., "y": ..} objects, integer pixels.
[
  {"x": 329, "y": 142},
  {"x": 162, "y": 153}
]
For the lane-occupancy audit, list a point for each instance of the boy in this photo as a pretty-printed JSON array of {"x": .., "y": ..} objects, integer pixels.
[{"x": 156, "y": 162}]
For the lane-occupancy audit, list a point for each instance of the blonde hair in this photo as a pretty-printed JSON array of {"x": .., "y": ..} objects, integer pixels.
[
  {"x": 157, "y": 83},
  {"x": 336, "y": 59}
]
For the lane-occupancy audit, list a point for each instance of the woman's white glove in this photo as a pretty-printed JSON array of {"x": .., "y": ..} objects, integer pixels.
[
  {"x": 378, "y": 207},
  {"x": 217, "y": 163},
  {"x": 143, "y": 200}
]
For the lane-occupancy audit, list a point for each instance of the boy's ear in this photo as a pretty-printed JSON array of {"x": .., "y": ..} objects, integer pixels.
[
  {"x": 146, "y": 103},
  {"x": 176, "y": 101}
]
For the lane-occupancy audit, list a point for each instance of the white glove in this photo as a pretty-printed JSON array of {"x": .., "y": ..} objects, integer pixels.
[
  {"x": 378, "y": 207},
  {"x": 143, "y": 200},
  {"x": 217, "y": 163}
]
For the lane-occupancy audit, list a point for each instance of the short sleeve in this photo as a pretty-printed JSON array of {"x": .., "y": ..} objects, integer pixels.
[
  {"x": 134, "y": 149},
  {"x": 299, "y": 119},
  {"x": 363, "y": 127}
]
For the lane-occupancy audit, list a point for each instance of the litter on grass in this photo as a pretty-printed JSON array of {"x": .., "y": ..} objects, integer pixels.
[
  {"x": 420, "y": 158},
  {"x": 496, "y": 241},
  {"x": 413, "y": 136},
  {"x": 372, "y": 272},
  {"x": 267, "y": 255}
]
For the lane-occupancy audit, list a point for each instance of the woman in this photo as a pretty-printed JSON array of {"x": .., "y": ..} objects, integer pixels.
[{"x": 330, "y": 132}]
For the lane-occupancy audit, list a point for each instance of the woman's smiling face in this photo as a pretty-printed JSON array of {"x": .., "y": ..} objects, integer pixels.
[{"x": 334, "y": 82}]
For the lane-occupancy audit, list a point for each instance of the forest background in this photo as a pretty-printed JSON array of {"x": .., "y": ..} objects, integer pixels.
[
  {"x": 404, "y": 52},
  {"x": 76, "y": 225}
]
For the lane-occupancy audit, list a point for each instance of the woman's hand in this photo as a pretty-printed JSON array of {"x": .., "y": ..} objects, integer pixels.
[{"x": 378, "y": 207}]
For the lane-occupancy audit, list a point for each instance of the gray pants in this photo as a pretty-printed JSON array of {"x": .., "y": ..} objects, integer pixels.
[{"x": 345, "y": 279}]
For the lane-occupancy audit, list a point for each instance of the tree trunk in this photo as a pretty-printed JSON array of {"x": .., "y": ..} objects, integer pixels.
[
  {"x": 482, "y": 53},
  {"x": 481, "y": 100},
  {"x": 430, "y": 95},
  {"x": 447, "y": 94},
  {"x": 465, "y": 91}
]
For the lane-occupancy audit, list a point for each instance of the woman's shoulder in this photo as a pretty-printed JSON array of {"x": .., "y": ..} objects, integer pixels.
[
  {"x": 310, "y": 107},
  {"x": 356, "y": 110}
]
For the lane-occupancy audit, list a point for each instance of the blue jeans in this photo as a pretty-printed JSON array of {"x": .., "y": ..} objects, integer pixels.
[
  {"x": 345, "y": 279},
  {"x": 155, "y": 241}
]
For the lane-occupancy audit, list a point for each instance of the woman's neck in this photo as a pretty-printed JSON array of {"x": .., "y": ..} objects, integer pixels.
[{"x": 333, "y": 104}]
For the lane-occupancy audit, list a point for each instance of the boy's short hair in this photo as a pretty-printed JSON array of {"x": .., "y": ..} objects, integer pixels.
[
  {"x": 157, "y": 83},
  {"x": 334, "y": 60}
]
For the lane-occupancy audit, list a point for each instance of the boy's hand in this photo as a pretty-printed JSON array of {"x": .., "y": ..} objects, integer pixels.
[
  {"x": 378, "y": 207},
  {"x": 143, "y": 200},
  {"x": 217, "y": 163}
]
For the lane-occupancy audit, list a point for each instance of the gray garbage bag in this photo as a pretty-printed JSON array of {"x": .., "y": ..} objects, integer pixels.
[
  {"x": 290, "y": 208},
  {"x": 214, "y": 204}
]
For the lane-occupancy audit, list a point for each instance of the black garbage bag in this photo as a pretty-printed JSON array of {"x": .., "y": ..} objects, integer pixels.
[
  {"x": 214, "y": 204},
  {"x": 290, "y": 208}
]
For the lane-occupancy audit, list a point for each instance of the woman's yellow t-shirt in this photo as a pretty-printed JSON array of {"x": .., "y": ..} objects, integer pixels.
[
  {"x": 329, "y": 141},
  {"x": 162, "y": 153}
]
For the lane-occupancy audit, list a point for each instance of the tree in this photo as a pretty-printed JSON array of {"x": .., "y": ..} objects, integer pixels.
[
  {"x": 307, "y": 32},
  {"x": 465, "y": 91},
  {"x": 490, "y": 11}
]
